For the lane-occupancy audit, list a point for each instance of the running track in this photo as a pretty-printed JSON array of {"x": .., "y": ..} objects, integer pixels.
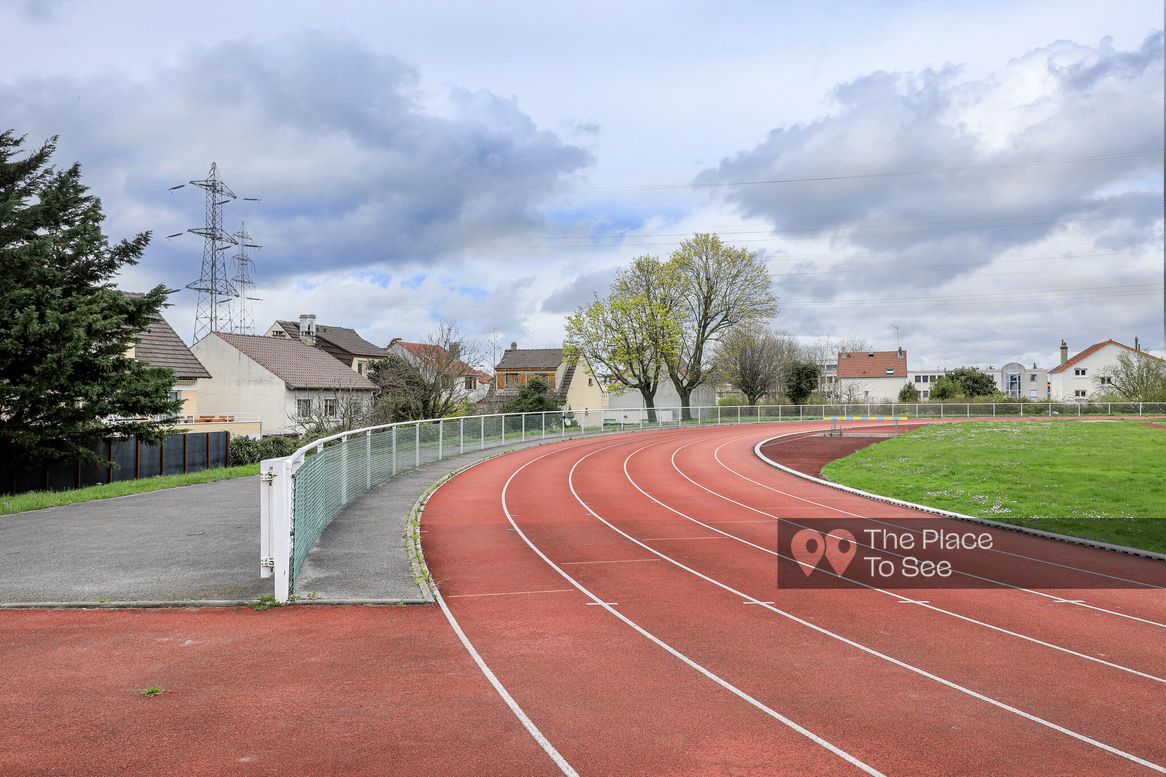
[{"x": 619, "y": 594}]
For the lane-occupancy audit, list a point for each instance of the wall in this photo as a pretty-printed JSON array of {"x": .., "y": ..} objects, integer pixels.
[
  {"x": 1062, "y": 385},
  {"x": 240, "y": 386},
  {"x": 879, "y": 389}
]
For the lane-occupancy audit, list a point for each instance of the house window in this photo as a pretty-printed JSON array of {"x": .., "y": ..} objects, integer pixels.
[
  {"x": 918, "y": 378},
  {"x": 591, "y": 381},
  {"x": 303, "y": 407},
  {"x": 360, "y": 367},
  {"x": 1032, "y": 378},
  {"x": 1079, "y": 392},
  {"x": 470, "y": 383},
  {"x": 924, "y": 394},
  {"x": 1105, "y": 380},
  {"x": 890, "y": 370},
  {"x": 329, "y": 408},
  {"x": 1079, "y": 371},
  {"x": 1032, "y": 393}
]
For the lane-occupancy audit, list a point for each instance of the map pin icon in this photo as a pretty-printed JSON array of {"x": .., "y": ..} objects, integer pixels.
[
  {"x": 840, "y": 549},
  {"x": 807, "y": 547}
]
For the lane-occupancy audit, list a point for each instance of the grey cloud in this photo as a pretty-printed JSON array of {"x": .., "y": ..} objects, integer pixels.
[
  {"x": 353, "y": 169},
  {"x": 1101, "y": 101},
  {"x": 578, "y": 292}
]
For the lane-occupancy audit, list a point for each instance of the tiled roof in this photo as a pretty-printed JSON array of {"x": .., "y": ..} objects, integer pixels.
[
  {"x": 160, "y": 346},
  {"x": 344, "y": 338},
  {"x": 1094, "y": 349},
  {"x": 296, "y": 364},
  {"x": 872, "y": 364},
  {"x": 430, "y": 353},
  {"x": 531, "y": 359}
]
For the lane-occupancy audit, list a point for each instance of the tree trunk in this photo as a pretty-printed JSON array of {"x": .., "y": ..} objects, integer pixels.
[
  {"x": 685, "y": 393},
  {"x": 649, "y": 404}
]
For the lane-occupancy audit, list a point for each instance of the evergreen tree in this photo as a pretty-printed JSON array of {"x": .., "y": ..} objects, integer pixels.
[
  {"x": 801, "y": 380},
  {"x": 65, "y": 377}
]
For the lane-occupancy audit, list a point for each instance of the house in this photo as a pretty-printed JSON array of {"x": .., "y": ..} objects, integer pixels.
[
  {"x": 282, "y": 381},
  {"x": 578, "y": 388},
  {"x": 1016, "y": 381},
  {"x": 871, "y": 376},
  {"x": 469, "y": 383},
  {"x": 341, "y": 342},
  {"x": 627, "y": 405},
  {"x": 1080, "y": 377},
  {"x": 160, "y": 346}
]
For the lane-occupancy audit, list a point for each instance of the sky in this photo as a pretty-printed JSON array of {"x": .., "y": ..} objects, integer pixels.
[{"x": 973, "y": 182}]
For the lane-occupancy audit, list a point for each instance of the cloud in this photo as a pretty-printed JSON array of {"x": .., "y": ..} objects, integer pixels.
[
  {"x": 354, "y": 167},
  {"x": 933, "y": 163}
]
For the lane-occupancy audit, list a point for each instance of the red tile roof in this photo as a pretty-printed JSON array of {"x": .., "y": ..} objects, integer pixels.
[
  {"x": 1094, "y": 349},
  {"x": 430, "y": 353},
  {"x": 872, "y": 364}
]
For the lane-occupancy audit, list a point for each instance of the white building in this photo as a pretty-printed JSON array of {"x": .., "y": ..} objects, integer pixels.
[
  {"x": 469, "y": 384},
  {"x": 1080, "y": 377},
  {"x": 871, "y": 376},
  {"x": 628, "y": 406},
  {"x": 1016, "y": 381},
  {"x": 923, "y": 380},
  {"x": 279, "y": 380}
]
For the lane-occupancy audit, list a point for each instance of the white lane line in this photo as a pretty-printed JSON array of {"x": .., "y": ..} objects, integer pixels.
[
  {"x": 900, "y": 597},
  {"x": 673, "y": 539},
  {"x": 545, "y": 743},
  {"x": 1142, "y": 583},
  {"x": 664, "y": 645},
  {"x": 601, "y": 604},
  {"x": 513, "y": 593},
  {"x": 871, "y": 651},
  {"x": 612, "y": 561},
  {"x": 1035, "y": 592}
]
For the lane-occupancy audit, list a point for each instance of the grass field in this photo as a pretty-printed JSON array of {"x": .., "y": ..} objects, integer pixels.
[
  {"x": 38, "y": 500},
  {"x": 1101, "y": 480}
]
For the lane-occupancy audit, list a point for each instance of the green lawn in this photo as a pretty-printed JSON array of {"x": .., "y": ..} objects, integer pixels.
[
  {"x": 38, "y": 500},
  {"x": 1100, "y": 480}
]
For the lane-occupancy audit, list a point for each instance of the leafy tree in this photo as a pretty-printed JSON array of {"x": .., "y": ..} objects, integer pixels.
[
  {"x": 534, "y": 397},
  {"x": 65, "y": 377},
  {"x": 946, "y": 388},
  {"x": 972, "y": 382},
  {"x": 801, "y": 380},
  {"x": 633, "y": 332},
  {"x": 1137, "y": 377},
  {"x": 754, "y": 361},
  {"x": 718, "y": 288},
  {"x": 908, "y": 393}
]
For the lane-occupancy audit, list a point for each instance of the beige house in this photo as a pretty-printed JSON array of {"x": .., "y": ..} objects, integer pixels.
[
  {"x": 577, "y": 387},
  {"x": 340, "y": 342},
  {"x": 160, "y": 346},
  {"x": 282, "y": 381}
]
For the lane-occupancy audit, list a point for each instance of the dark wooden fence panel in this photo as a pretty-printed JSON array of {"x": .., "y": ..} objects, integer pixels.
[{"x": 122, "y": 459}]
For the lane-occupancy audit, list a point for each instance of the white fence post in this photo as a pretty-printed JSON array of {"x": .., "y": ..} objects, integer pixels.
[
  {"x": 461, "y": 435},
  {"x": 368, "y": 460},
  {"x": 394, "y": 451},
  {"x": 440, "y": 440},
  {"x": 276, "y": 525},
  {"x": 417, "y": 443},
  {"x": 482, "y": 438}
]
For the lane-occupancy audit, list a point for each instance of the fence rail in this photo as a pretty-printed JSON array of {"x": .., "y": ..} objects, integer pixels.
[{"x": 302, "y": 493}]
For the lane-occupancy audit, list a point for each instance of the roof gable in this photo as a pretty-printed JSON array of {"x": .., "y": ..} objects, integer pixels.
[
  {"x": 296, "y": 364},
  {"x": 160, "y": 346},
  {"x": 430, "y": 353},
  {"x": 1094, "y": 349},
  {"x": 342, "y": 337},
  {"x": 872, "y": 364},
  {"x": 531, "y": 359}
]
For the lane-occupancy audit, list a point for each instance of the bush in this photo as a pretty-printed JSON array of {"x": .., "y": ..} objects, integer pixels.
[{"x": 247, "y": 450}]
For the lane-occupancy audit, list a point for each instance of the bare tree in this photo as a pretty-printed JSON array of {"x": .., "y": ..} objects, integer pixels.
[
  {"x": 426, "y": 379},
  {"x": 1137, "y": 377},
  {"x": 824, "y": 351},
  {"x": 329, "y": 412},
  {"x": 754, "y": 360}
]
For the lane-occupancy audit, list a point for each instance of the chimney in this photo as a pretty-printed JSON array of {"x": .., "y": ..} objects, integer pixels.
[
  {"x": 1064, "y": 352},
  {"x": 455, "y": 350},
  {"x": 513, "y": 346},
  {"x": 308, "y": 328},
  {"x": 900, "y": 353},
  {"x": 1137, "y": 344}
]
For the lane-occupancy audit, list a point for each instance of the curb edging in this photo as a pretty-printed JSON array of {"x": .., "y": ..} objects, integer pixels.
[{"x": 1048, "y": 535}]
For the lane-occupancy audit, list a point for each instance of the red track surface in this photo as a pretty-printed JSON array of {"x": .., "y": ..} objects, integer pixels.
[
  {"x": 616, "y": 589},
  {"x": 636, "y": 665}
]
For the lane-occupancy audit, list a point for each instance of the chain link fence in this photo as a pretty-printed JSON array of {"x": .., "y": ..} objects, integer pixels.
[{"x": 302, "y": 493}]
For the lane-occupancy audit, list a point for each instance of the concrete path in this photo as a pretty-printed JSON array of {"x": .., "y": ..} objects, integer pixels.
[
  {"x": 196, "y": 543},
  {"x": 200, "y": 545}
]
